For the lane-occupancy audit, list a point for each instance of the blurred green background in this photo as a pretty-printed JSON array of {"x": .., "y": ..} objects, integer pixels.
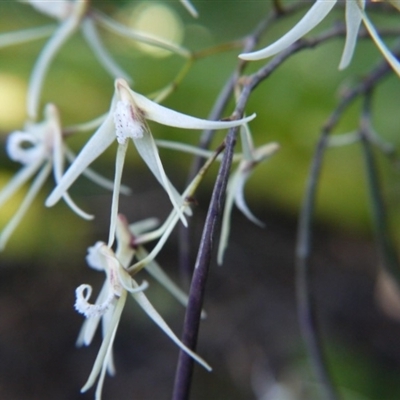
[{"x": 49, "y": 246}]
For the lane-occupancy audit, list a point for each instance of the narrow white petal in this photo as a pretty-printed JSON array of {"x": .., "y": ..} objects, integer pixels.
[
  {"x": 56, "y": 9},
  {"x": 314, "y": 16},
  {"x": 147, "y": 149},
  {"x": 96, "y": 177},
  {"x": 60, "y": 36},
  {"x": 107, "y": 360},
  {"x": 124, "y": 252},
  {"x": 58, "y": 160},
  {"x": 105, "y": 323},
  {"x": 148, "y": 308},
  {"x": 240, "y": 201},
  {"x": 86, "y": 126},
  {"x": 353, "y": 22},
  {"x": 119, "y": 166},
  {"x": 189, "y": 6},
  {"x": 163, "y": 115},
  {"x": 23, "y": 208},
  {"x": 143, "y": 37},
  {"x": 152, "y": 235},
  {"x": 226, "y": 218},
  {"x": 107, "y": 342},
  {"x": 92, "y": 38},
  {"x": 154, "y": 269},
  {"x": 96, "y": 145},
  {"x": 170, "y": 222},
  {"x": 137, "y": 228},
  {"x": 187, "y": 148},
  {"x": 247, "y": 142},
  {"x": 390, "y": 58},
  {"x": 22, "y": 176},
  {"x": 158, "y": 247},
  {"x": 24, "y": 36}
]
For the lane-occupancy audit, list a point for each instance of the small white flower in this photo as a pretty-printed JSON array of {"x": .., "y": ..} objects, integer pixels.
[
  {"x": 39, "y": 148},
  {"x": 111, "y": 300},
  {"x": 126, "y": 119},
  {"x": 235, "y": 189}
]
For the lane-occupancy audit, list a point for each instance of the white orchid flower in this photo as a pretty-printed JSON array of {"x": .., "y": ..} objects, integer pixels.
[
  {"x": 39, "y": 148},
  {"x": 111, "y": 300},
  {"x": 235, "y": 189},
  {"x": 319, "y": 10},
  {"x": 248, "y": 160},
  {"x": 127, "y": 120}
]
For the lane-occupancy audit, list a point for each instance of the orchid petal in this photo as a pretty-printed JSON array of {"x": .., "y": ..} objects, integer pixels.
[
  {"x": 143, "y": 37},
  {"x": 86, "y": 126},
  {"x": 187, "y": 148},
  {"x": 147, "y": 149},
  {"x": 92, "y": 38},
  {"x": 59, "y": 10},
  {"x": 247, "y": 143},
  {"x": 105, "y": 366},
  {"x": 173, "y": 219},
  {"x": 26, "y": 35},
  {"x": 137, "y": 228},
  {"x": 150, "y": 236},
  {"x": 125, "y": 251},
  {"x": 96, "y": 177},
  {"x": 107, "y": 342},
  {"x": 226, "y": 218},
  {"x": 23, "y": 208},
  {"x": 18, "y": 180},
  {"x": 163, "y": 115},
  {"x": 61, "y": 35},
  {"x": 188, "y": 5},
  {"x": 126, "y": 281},
  {"x": 148, "y": 308},
  {"x": 105, "y": 323},
  {"x": 353, "y": 22},
  {"x": 319, "y": 10},
  {"x": 240, "y": 201},
  {"x": 119, "y": 166},
  {"x": 58, "y": 158},
  {"x": 390, "y": 58},
  {"x": 154, "y": 269},
  {"x": 97, "y": 144}
]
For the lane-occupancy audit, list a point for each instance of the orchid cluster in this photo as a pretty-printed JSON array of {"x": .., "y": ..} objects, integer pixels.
[{"x": 41, "y": 148}]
